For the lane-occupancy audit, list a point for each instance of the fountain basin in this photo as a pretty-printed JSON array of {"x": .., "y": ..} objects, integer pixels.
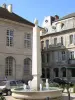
[{"x": 53, "y": 92}]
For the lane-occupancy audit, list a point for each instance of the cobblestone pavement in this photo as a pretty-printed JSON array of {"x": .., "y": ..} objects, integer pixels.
[{"x": 64, "y": 97}]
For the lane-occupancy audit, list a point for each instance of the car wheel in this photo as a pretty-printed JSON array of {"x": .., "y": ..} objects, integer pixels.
[{"x": 8, "y": 92}]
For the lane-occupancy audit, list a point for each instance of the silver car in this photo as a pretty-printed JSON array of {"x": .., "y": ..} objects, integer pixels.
[{"x": 6, "y": 86}]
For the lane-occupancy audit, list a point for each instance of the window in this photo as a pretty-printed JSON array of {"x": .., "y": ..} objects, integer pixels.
[
  {"x": 73, "y": 72},
  {"x": 71, "y": 39},
  {"x": 13, "y": 83},
  {"x": 27, "y": 41},
  {"x": 43, "y": 73},
  {"x": 47, "y": 57},
  {"x": 46, "y": 29},
  {"x": 9, "y": 66},
  {"x": 72, "y": 55},
  {"x": 46, "y": 21},
  {"x": 63, "y": 70},
  {"x": 47, "y": 44},
  {"x": 56, "y": 72},
  {"x": 27, "y": 66},
  {"x": 42, "y": 45},
  {"x": 43, "y": 58},
  {"x": 48, "y": 73},
  {"x": 55, "y": 41},
  {"x": 61, "y": 40},
  {"x": 9, "y": 38},
  {"x": 63, "y": 55}
]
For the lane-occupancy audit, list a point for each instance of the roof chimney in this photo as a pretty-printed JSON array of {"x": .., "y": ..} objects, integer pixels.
[
  {"x": 9, "y": 8},
  {"x": 56, "y": 17},
  {"x": 4, "y": 5}
]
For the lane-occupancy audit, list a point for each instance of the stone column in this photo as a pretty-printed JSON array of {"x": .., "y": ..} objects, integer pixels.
[{"x": 36, "y": 58}]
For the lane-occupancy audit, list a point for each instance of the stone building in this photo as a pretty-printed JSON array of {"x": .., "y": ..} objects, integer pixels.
[
  {"x": 15, "y": 45},
  {"x": 58, "y": 47}
]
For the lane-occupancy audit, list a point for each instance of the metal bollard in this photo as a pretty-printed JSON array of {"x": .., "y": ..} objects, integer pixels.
[{"x": 47, "y": 98}]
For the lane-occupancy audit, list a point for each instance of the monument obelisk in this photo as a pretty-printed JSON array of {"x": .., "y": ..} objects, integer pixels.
[{"x": 36, "y": 57}]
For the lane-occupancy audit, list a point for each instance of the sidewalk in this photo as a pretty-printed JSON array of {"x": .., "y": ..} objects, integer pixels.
[{"x": 65, "y": 96}]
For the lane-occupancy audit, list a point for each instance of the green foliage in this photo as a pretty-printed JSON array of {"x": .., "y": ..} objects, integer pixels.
[
  {"x": 2, "y": 98},
  {"x": 62, "y": 86},
  {"x": 67, "y": 86},
  {"x": 53, "y": 85}
]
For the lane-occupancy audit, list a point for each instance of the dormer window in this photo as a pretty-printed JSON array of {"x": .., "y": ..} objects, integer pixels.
[
  {"x": 46, "y": 29},
  {"x": 46, "y": 21},
  {"x": 53, "y": 27}
]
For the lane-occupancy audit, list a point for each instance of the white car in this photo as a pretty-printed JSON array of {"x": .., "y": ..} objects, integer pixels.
[{"x": 6, "y": 86}]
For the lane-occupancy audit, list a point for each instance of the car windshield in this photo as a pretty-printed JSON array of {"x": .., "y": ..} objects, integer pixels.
[
  {"x": 2, "y": 83},
  {"x": 19, "y": 82}
]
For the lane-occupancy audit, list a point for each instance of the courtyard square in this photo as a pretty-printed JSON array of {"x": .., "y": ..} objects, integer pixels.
[{"x": 64, "y": 97}]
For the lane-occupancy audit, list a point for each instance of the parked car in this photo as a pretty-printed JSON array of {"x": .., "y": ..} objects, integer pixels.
[
  {"x": 6, "y": 86},
  {"x": 61, "y": 81}
]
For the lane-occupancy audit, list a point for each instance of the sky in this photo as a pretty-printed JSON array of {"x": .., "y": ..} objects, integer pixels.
[{"x": 31, "y": 9}]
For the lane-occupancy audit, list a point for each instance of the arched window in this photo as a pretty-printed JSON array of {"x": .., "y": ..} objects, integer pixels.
[
  {"x": 43, "y": 73},
  {"x": 27, "y": 66},
  {"x": 9, "y": 61},
  {"x": 56, "y": 72},
  {"x": 63, "y": 72},
  {"x": 73, "y": 72},
  {"x": 48, "y": 72}
]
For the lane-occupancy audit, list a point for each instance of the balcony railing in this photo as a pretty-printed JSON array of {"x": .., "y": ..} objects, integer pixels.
[
  {"x": 71, "y": 61},
  {"x": 52, "y": 47}
]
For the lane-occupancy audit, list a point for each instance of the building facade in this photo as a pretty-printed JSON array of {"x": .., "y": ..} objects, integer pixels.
[
  {"x": 58, "y": 47},
  {"x": 15, "y": 45}
]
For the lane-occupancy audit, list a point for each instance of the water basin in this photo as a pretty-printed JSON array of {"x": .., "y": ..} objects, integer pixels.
[{"x": 28, "y": 94}]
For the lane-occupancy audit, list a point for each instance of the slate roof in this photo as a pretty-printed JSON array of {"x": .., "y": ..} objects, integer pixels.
[
  {"x": 68, "y": 16},
  {"x": 4, "y": 13}
]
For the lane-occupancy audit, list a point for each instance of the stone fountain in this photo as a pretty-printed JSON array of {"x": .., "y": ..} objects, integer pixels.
[{"x": 35, "y": 89}]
